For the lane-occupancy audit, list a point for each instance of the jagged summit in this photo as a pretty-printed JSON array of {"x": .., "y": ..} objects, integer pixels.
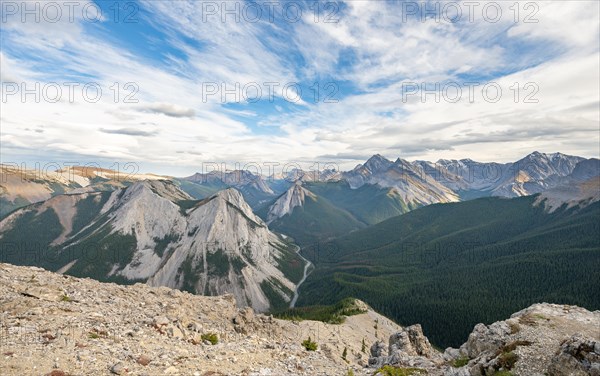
[
  {"x": 377, "y": 163},
  {"x": 295, "y": 196},
  {"x": 414, "y": 186}
]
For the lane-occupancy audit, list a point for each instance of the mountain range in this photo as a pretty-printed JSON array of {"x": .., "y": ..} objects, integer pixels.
[
  {"x": 153, "y": 232},
  {"x": 419, "y": 241}
]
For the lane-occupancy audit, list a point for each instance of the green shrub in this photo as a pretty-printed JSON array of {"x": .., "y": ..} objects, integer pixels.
[
  {"x": 507, "y": 360},
  {"x": 460, "y": 362},
  {"x": 309, "y": 345},
  {"x": 396, "y": 371},
  {"x": 210, "y": 337},
  {"x": 345, "y": 354},
  {"x": 65, "y": 298},
  {"x": 330, "y": 314}
]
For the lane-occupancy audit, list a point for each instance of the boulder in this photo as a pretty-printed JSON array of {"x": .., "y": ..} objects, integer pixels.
[
  {"x": 486, "y": 339},
  {"x": 411, "y": 341},
  {"x": 576, "y": 356}
]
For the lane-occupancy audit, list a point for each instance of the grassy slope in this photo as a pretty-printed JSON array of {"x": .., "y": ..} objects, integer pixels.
[
  {"x": 451, "y": 266},
  {"x": 316, "y": 220},
  {"x": 370, "y": 204}
]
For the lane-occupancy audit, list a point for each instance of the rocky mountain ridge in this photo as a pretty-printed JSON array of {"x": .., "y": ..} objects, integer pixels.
[
  {"x": 416, "y": 183},
  {"x": 54, "y": 324},
  {"x": 285, "y": 204},
  {"x": 151, "y": 231}
]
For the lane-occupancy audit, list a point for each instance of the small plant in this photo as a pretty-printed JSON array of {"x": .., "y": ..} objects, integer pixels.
[
  {"x": 460, "y": 362},
  {"x": 350, "y": 373},
  {"x": 345, "y": 354},
  {"x": 396, "y": 371},
  {"x": 93, "y": 335},
  {"x": 532, "y": 319},
  {"x": 65, "y": 298},
  {"x": 513, "y": 345},
  {"x": 514, "y": 327},
  {"x": 210, "y": 337},
  {"x": 363, "y": 347},
  {"x": 309, "y": 345},
  {"x": 507, "y": 360}
]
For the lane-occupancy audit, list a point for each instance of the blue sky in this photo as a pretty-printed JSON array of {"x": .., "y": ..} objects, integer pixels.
[{"x": 353, "y": 63}]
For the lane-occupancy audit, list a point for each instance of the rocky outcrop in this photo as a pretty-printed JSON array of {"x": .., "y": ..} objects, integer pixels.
[
  {"x": 571, "y": 194},
  {"x": 407, "y": 348},
  {"x": 544, "y": 339},
  {"x": 57, "y": 323},
  {"x": 60, "y": 325},
  {"x": 577, "y": 356}
]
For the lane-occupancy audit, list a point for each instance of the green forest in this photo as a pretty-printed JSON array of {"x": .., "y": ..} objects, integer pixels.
[{"x": 451, "y": 266}]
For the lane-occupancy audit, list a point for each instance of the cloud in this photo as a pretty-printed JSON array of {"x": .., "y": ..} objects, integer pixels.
[
  {"x": 369, "y": 53},
  {"x": 169, "y": 110},
  {"x": 129, "y": 132}
]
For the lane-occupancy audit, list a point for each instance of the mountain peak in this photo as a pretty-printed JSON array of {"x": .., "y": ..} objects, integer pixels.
[
  {"x": 285, "y": 204},
  {"x": 377, "y": 158},
  {"x": 377, "y": 163},
  {"x": 163, "y": 188}
]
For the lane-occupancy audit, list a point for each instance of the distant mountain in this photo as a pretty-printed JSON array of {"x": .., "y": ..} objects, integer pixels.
[
  {"x": 414, "y": 186},
  {"x": 152, "y": 231},
  {"x": 307, "y": 217},
  {"x": 294, "y": 197},
  {"x": 532, "y": 174},
  {"x": 449, "y": 266},
  {"x": 20, "y": 187},
  {"x": 571, "y": 194},
  {"x": 311, "y": 212},
  {"x": 254, "y": 188}
]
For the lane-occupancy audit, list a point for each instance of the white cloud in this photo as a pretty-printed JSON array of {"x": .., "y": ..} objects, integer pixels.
[{"x": 380, "y": 51}]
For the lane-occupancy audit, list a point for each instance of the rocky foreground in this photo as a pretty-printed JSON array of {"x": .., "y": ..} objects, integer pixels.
[{"x": 52, "y": 324}]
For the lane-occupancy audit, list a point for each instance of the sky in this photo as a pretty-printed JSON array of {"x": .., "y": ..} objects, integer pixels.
[{"x": 173, "y": 85}]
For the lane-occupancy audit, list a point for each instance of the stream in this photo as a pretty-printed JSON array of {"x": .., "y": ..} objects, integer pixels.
[{"x": 306, "y": 273}]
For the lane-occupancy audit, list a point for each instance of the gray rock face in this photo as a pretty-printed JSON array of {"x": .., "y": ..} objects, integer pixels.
[
  {"x": 412, "y": 342},
  {"x": 378, "y": 349},
  {"x": 486, "y": 339},
  {"x": 408, "y": 348},
  {"x": 577, "y": 356},
  {"x": 544, "y": 339}
]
